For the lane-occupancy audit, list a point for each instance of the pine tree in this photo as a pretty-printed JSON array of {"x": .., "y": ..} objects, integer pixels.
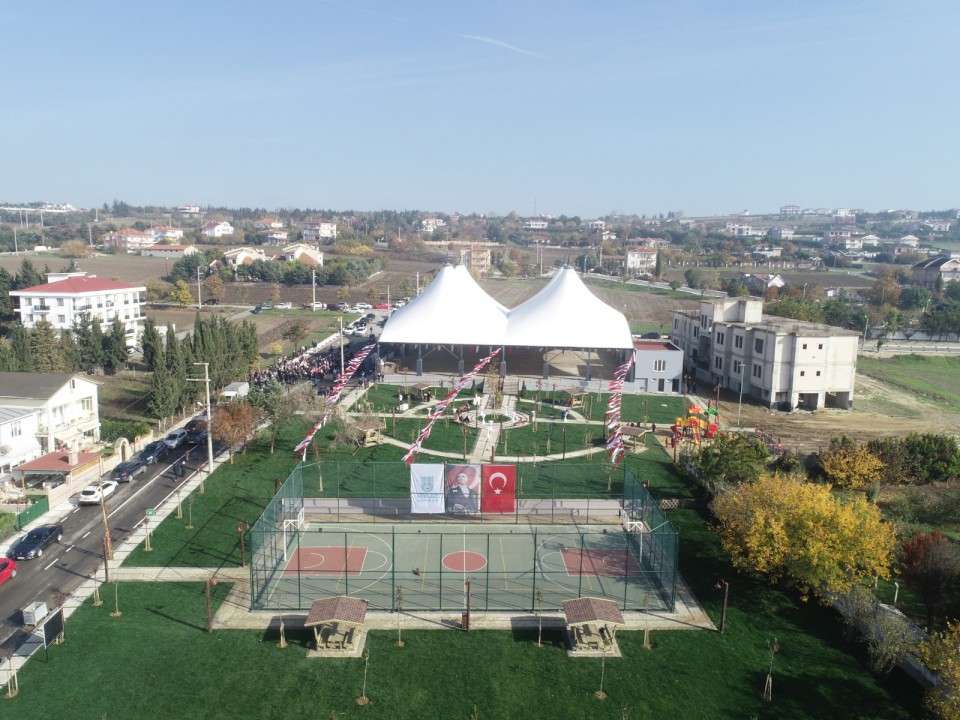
[
  {"x": 70, "y": 351},
  {"x": 162, "y": 401},
  {"x": 20, "y": 343},
  {"x": 152, "y": 345},
  {"x": 114, "y": 347},
  {"x": 45, "y": 348},
  {"x": 176, "y": 366},
  {"x": 8, "y": 361}
]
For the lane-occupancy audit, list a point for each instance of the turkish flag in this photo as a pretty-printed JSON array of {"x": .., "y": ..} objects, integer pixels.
[{"x": 499, "y": 489}]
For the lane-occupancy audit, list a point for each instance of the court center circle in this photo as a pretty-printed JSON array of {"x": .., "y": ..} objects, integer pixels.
[{"x": 464, "y": 561}]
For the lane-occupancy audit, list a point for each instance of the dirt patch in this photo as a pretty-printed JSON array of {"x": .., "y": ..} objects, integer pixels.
[{"x": 880, "y": 410}]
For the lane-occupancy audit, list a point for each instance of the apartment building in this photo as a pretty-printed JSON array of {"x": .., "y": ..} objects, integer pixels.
[
  {"x": 66, "y": 296},
  {"x": 787, "y": 364},
  {"x": 54, "y": 411}
]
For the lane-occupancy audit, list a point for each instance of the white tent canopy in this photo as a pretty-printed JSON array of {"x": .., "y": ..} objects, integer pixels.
[
  {"x": 565, "y": 314},
  {"x": 454, "y": 310}
]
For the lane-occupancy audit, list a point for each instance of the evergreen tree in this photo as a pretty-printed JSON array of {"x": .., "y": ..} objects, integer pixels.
[
  {"x": 114, "y": 347},
  {"x": 176, "y": 366},
  {"x": 6, "y": 302},
  {"x": 8, "y": 361},
  {"x": 70, "y": 352},
  {"x": 658, "y": 268},
  {"x": 152, "y": 345},
  {"x": 45, "y": 349},
  {"x": 27, "y": 276},
  {"x": 162, "y": 401},
  {"x": 20, "y": 343}
]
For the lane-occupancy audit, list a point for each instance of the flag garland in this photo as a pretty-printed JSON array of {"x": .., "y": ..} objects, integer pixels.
[
  {"x": 459, "y": 385},
  {"x": 333, "y": 397},
  {"x": 615, "y": 447}
]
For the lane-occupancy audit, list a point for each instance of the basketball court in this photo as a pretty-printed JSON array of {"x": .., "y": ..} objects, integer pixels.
[{"x": 430, "y": 567}]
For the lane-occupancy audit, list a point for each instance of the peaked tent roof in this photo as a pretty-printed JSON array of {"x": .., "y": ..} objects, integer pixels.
[
  {"x": 453, "y": 309},
  {"x": 565, "y": 314}
]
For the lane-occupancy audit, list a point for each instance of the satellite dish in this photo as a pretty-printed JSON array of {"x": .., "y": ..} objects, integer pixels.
[{"x": 5, "y": 449}]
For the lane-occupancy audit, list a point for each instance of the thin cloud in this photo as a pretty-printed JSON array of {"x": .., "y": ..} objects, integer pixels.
[{"x": 500, "y": 43}]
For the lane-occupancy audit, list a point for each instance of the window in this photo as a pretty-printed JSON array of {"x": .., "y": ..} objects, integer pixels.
[
  {"x": 659, "y": 365},
  {"x": 804, "y": 346},
  {"x": 802, "y": 373},
  {"x": 61, "y": 319},
  {"x": 16, "y": 430},
  {"x": 758, "y": 345},
  {"x": 818, "y": 373},
  {"x": 718, "y": 363},
  {"x": 696, "y": 332},
  {"x": 73, "y": 383},
  {"x": 738, "y": 342},
  {"x": 720, "y": 337},
  {"x": 820, "y": 346},
  {"x": 757, "y": 371},
  {"x": 59, "y": 302},
  {"x": 737, "y": 367},
  {"x": 87, "y": 404}
]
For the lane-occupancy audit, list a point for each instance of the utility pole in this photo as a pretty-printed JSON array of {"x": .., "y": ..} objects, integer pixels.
[
  {"x": 206, "y": 381},
  {"x": 199, "y": 304},
  {"x": 313, "y": 282},
  {"x": 107, "y": 540},
  {"x": 340, "y": 320}
]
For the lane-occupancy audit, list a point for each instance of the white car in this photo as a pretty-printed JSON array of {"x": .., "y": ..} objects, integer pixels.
[
  {"x": 283, "y": 306},
  {"x": 91, "y": 494},
  {"x": 364, "y": 306}
]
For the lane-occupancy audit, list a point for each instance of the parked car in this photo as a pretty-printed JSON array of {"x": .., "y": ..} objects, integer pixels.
[
  {"x": 212, "y": 301},
  {"x": 153, "y": 453},
  {"x": 266, "y": 305},
  {"x": 91, "y": 494},
  {"x": 341, "y": 307},
  {"x": 371, "y": 316},
  {"x": 364, "y": 306},
  {"x": 197, "y": 435},
  {"x": 127, "y": 471},
  {"x": 175, "y": 439},
  {"x": 400, "y": 303},
  {"x": 200, "y": 421},
  {"x": 381, "y": 306},
  {"x": 317, "y": 305},
  {"x": 8, "y": 569},
  {"x": 284, "y": 306},
  {"x": 35, "y": 541},
  {"x": 257, "y": 310}
]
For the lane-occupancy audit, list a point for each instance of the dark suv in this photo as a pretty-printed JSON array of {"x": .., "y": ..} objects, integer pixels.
[
  {"x": 127, "y": 471},
  {"x": 154, "y": 452}
]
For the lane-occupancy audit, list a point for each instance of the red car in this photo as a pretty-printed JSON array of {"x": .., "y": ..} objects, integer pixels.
[
  {"x": 8, "y": 569},
  {"x": 381, "y": 306}
]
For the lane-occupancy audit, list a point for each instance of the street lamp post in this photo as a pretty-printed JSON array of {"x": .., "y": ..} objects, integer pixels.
[
  {"x": 340, "y": 320},
  {"x": 207, "y": 584},
  {"x": 740, "y": 400},
  {"x": 726, "y": 599}
]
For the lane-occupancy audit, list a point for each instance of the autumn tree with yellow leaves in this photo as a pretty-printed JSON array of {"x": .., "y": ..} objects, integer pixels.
[
  {"x": 941, "y": 653},
  {"x": 802, "y": 535},
  {"x": 849, "y": 464}
]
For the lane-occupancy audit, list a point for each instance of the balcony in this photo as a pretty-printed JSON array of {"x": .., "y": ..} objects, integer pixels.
[{"x": 40, "y": 309}]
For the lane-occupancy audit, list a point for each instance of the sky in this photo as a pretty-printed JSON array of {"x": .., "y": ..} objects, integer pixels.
[{"x": 562, "y": 107}]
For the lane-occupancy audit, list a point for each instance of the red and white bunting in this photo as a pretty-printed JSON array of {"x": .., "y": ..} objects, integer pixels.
[{"x": 615, "y": 439}]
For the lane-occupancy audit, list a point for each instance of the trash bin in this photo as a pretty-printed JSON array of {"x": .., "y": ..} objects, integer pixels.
[{"x": 34, "y": 613}]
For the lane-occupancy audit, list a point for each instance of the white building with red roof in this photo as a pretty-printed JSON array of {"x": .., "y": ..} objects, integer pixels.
[
  {"x": 66, "y": 296},
  {"x": 217, "y": 229},
  {"x": 129, "y": 240},
  {"x": 301, "y": 252}
]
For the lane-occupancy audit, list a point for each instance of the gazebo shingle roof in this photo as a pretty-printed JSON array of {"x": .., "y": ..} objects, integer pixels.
[
  {"x": 591, "y": 610},
  {"x": 337, "y": 609}
]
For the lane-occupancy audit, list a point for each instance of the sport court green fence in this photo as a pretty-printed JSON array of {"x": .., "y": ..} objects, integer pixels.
[{"x": 511, "y": 566}]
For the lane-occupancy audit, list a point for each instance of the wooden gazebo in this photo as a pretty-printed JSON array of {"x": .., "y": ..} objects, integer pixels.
[
  {"x": 592, "y": 623},
  {"x": 336, "y": 622}
]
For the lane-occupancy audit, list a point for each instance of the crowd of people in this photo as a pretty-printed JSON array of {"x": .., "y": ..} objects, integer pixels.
[{"x": 307, "y": 364}]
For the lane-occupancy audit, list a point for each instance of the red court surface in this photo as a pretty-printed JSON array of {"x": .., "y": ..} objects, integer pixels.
[
  {"x": 464, "y": 561},
  {"x": 326, "y": 561},
  {"x": 611, "y": 563}
]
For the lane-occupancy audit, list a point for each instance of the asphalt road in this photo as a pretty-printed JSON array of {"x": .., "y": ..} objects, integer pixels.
[{"x": 65, "y": 566}]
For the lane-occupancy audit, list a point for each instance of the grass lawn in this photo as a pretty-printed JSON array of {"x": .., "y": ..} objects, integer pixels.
[
  {"x": 172, "y": 668},
  {"x": 935, "y": 379},
  {"x": 124, "y": 396},
  {"x": 524, "y": 442}
]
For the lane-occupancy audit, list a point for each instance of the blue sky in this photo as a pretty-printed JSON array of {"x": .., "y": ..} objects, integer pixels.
[{"x": 563, "y": 107}]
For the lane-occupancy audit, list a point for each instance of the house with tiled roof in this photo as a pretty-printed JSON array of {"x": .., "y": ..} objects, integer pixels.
[
  {"x": 243, "y": 256},
  {"x": 67, "y": 296},
  {"x": 54, "y": 411},
  {"x": 273, "y": 236},
  {"x": 301, "y": 252},
  {"x": 927, "y": 273},
  {"x": 316, "y": 230},
  {"x": 19, "y": 427},
  {"x": 216, "y": 229},
  {"x": 163, "y": 233}
]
